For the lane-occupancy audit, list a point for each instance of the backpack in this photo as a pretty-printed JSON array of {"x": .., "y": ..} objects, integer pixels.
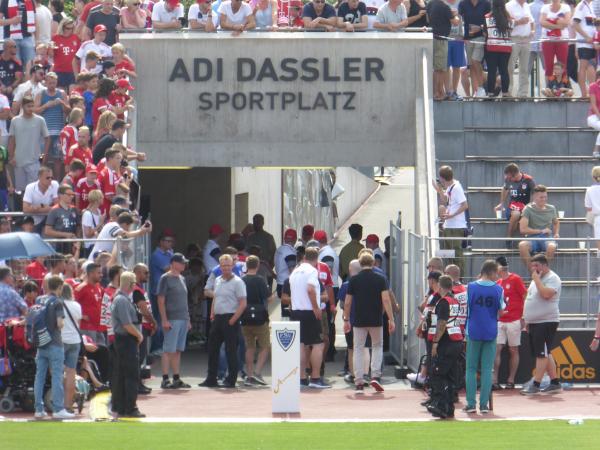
[{"x": 37, "y": 332}]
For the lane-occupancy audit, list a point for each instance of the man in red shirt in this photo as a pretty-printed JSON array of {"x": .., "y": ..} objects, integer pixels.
[
  {"x": 110, "y": 176},
  {"x": 89, "y": 295},
  {"x": 85, "y": 186},
  {"x": 81, "y": 150},
  {"x": 510, "y": 323},
  {"x": 119, "y": 98}
]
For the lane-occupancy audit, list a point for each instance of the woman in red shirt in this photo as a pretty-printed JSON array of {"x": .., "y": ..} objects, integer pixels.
[
  {"x": 101, "y": 101},
  {"x": 66, "y": 44}
]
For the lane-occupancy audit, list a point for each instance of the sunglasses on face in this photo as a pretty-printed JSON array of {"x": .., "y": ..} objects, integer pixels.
[{"x": 48, "y": 178}]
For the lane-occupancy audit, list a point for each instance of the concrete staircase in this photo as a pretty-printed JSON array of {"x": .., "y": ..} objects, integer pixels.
[{"x": 549, "y": 141}]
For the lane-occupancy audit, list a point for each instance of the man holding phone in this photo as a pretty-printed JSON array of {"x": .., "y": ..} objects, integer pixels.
[{"x": 167, "y": 15}]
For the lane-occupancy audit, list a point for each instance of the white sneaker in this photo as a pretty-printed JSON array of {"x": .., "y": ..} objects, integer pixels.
[
  {"x": 40, "y": 415},
  {"x": 480, "y": 92},
  {"x": 63, "y": 414},
  {"x": 412, "y": 377}
]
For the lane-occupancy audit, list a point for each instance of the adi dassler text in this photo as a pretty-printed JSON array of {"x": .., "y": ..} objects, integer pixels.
[{"x": 248, "y": 74}]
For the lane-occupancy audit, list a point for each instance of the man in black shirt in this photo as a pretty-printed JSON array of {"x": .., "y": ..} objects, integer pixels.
[
  {"x": 255, "y": 321},
  {"x": 518, "y": 187},
  {"x": 11, "y": 70},
  {"x": 107, "y": 141},
  {"x": 106, "y": 14},
  {"x": 441, "y": 18},
  {"x": 368, "y": 292},
  {"x": 352, "y": 15},
  {"x": 445, "y": 351}
]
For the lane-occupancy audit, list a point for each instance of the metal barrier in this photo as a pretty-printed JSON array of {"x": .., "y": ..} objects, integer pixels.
[{"x": 577, "y": 262}]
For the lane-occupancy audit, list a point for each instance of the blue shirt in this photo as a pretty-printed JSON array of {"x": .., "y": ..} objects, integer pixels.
[
  {"x": 88, "y": 98},
  {"x": 159, "y": 261},
  {"x": 238, "y": 270},
  {"x": 11, "y": 303},
  {"x": 309, "y": 11},
  {"x": 379, "y": 271},
  {"x": 484, "y": 299}
]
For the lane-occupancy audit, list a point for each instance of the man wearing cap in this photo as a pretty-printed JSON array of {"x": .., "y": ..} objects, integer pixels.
[
  {"x": 372, "y": 242},
  {"x": 351, "y": 249},
  {"x": 285, "y": 261},
  {"x": 201, "y": 16},
  {"x": 119, "y": 98},
  {"x": 510, "y": 323},
  {"x": 212, "y": 248},
  {"x": 109, "y": 17},
  {"x": 96, "y": 45},
  {"x": 172, "y": 298},
  {"x": 293, "y": 16},
  {"x": 166, "y": 15},
  {"x": 86, "y": 185},
  {"x": 160, "y": 262}
]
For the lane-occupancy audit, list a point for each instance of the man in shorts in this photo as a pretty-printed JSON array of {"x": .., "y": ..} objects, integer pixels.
[
  {"x": 542, "y": 316},
  {"x": 473, "y": 14},
  {"x": 517, "y": 188},
  {"x": 305, "y": 298},
  {"x": 510, "y": 323},
  {"x": 539, "y": 220},
  {"x": 172, "y": 298},
  {"x": 441, "y": 18}
]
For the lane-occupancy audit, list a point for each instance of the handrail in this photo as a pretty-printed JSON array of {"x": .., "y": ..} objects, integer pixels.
[{"x": 267, "y": 30}]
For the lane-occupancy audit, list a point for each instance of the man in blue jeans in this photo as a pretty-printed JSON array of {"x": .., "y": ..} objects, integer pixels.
[
  {"x": 485, "y": 301},
  {"x": 52, "y": 356}
]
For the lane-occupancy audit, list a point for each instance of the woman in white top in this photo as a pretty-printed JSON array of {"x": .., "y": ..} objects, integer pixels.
[
  {"x": 71, "y": 342},
  {"x": 592, "y": 203},
  {"x": 555, "y": 19},
  {"x": 236, "y": 15},
  {"x": 265, "y": 14},
  {"x": 92, "y": 219}
]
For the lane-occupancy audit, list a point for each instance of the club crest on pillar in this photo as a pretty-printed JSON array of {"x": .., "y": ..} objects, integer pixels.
[{"x": 285, "y": 338}]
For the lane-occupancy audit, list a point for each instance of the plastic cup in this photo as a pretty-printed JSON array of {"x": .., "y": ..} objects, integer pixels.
[
  {"x": 499, "y": 214},
  {"x": 582, "y": 245},
  {"x": 561, "y": 214}
]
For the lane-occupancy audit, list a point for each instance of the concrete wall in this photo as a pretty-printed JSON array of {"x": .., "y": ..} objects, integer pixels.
[
  {"x": 372, "y": 123},
  {"x": 264, "y": 196},
  {"x": 358, "y": 188}
]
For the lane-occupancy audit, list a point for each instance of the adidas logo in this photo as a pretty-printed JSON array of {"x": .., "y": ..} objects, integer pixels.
[{"x": 570, "y": 363}]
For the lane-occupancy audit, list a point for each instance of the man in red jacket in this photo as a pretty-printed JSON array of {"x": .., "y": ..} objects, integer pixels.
[{"x": 89, "y": 295}]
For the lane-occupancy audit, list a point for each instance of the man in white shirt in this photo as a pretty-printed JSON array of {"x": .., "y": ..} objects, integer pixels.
[
  {"x": 212, "y": 249},
  {"x": 166, "y": 15},
  {"x": 583, "y": 23},
  {"x": 305, "y": 294},
  {"x": 97, "y": 45},
  {"x": 31, "y": 87},
  {"x": 452, "y": 212},
  {"x": 40, "y": 196},
  {"x": 113, "y": 230},
  {"x": 4, "y": 116},
  {"x": 43, "y": 23},
  {"x": 201, "y": 16},
  {"x": 236, "y": 15},
  {"x": 523, "y": 31}
]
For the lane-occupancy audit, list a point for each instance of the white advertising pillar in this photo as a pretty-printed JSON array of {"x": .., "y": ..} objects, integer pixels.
[{"x": 285, "y": 367}]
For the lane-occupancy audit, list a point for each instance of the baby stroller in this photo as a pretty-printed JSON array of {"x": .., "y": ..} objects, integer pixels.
[{"x": 18, "y": 369}]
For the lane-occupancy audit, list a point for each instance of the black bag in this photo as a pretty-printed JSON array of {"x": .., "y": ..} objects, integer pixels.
[{"x": 255, "y": 314}]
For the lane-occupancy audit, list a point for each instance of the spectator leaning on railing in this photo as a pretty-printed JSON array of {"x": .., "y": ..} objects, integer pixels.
[
  {"x": 391, "y": 16},
  {"x": 202, "y": 17},
  {"x": 319, "y": 14},
  {"x": 167, "y": 15}
]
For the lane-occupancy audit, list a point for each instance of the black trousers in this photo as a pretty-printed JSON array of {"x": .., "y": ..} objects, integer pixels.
[
  {"x": 220, "y": 332},
  {"x": 444, "y": 375},
  {"x": 126, "y": 374},
  {"x": 497, "y": 62}
]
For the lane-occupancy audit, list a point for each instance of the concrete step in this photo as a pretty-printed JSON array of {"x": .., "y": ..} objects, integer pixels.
[
  {"x": 492, "y": 220},
  {"x": 570, "y": 200},
  {"x": 570, "y": 263},
  {"x": 549, "y": 172}
]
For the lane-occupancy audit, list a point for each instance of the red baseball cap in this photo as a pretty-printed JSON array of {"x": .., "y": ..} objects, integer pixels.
[
  {"x": 91, "y": 169},
  {"x": 173, "y": 2},
  {"x": 167, "y": 232},
  {"x": 290, "y": 233},
  {"x": 308, "y": 230},
  {"x": 372, "y": 239},
  {"x": 100, "y": 28},
  {"x": 124, "y": 84},
  {"x": 215, "y": 229},
  {"x": 320, "y": 235}
]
